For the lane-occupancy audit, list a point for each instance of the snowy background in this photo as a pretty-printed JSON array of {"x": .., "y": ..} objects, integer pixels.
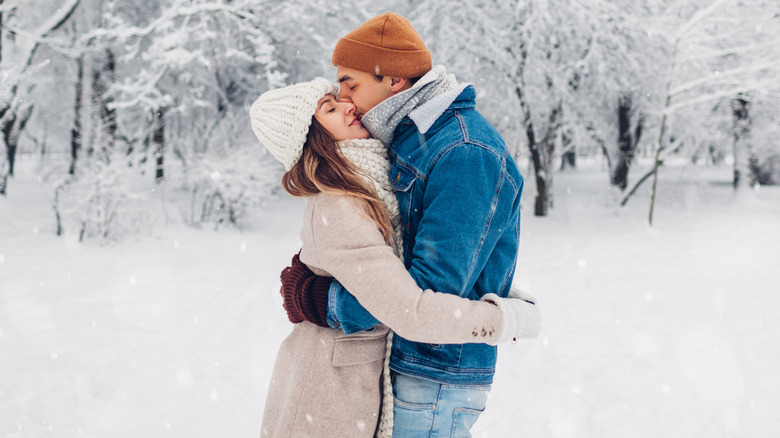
[
  {"x": 142, "y": 229},
  {"x": 663, "y": 331}
]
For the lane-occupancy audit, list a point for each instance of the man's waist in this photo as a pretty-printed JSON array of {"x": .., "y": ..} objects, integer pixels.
[{"x": 472, "y": 364}]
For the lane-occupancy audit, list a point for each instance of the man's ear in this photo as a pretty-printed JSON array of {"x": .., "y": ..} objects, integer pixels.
[{"x": 398, "y": 84}]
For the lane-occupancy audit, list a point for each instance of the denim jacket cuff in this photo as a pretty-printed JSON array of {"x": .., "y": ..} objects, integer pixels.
[{"x": 332, "y": 322}]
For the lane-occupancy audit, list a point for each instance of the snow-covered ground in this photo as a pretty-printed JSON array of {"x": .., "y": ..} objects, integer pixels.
[{"x": 669, "y": 331}]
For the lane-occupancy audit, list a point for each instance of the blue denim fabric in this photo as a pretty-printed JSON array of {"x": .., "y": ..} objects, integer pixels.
[
  {"x": 427, "y": 409},
  {"x": 459, "y": 193}
]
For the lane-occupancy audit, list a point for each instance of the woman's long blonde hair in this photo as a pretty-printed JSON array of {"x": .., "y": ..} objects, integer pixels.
[{"x": 322, "y": 169}]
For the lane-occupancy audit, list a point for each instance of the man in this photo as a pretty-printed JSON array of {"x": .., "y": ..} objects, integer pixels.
[{"x": 459, "y": 195}]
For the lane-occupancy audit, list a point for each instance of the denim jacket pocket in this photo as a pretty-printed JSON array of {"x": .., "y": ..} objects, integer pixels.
[
  {"x": 354, "y": 350},
  {"x": 401, "y": 178}
]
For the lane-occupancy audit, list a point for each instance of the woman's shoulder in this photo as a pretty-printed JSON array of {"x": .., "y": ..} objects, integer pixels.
[
  {"x": 341, "y": 205},
  {"x": 338, "y": 215},
  {"x": 331, "y": 225}
]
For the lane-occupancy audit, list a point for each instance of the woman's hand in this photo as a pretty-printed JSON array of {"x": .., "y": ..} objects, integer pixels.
[
  {"x": 305, "y": 294},
  {"x": 521, "y": 318}
]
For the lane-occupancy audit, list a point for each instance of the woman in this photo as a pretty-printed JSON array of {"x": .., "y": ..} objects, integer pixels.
[{"x": 326, "y": 383}]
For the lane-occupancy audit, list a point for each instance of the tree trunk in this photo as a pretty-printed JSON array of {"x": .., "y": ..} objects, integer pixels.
[
  {"x": 3, "y": 175},
  {"x": 102, "y": 77},
  {"x": 627, "y": 143},
  {"x": 10, "y": 144},
  {"x": 12, "y": 130},
  {"x": 544, "y": 158},
  {"x": 740, "y": 108},
  {"x": 75, "y": 132},
  {"x": 1, "y": 33},
  {"x": 158, "y": 139},
  {"x": 620, "y": 176},
  {"x": 541, "y": 202},
  {"x": 541, "y": 155},
  {"x": 569, "y": 158}
]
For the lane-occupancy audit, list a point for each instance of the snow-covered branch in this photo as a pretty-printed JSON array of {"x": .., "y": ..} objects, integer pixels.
[
  {"x": 165, "y": 19},
  {"x": 703, "y": 54},
  {"x": 711, "y": 97},
  {"x": 9, "y": 6},
  {"x": 698, "y": 17},
  {"x": 723, "y": 76}
]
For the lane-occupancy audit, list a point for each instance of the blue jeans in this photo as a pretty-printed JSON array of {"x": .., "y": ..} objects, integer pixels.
[{"x": 424, "y": 408}]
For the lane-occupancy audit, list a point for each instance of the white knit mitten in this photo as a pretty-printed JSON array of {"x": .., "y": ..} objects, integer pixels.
[{"x": 521, "y": 317}]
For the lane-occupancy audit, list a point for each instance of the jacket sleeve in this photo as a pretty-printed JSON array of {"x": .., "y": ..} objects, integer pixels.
[
  {"x": 350, "y": 247},
  {"x": 465, "y": 207},
  {"x": 345, "y": 313}
]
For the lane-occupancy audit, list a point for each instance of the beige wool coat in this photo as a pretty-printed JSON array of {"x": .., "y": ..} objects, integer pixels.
[{"x": 327, "y": 384}]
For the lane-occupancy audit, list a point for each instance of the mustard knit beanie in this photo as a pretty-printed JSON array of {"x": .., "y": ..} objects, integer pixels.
[
  {"x": 281, "y": 117},
  {"x": 386, "y": 45}
]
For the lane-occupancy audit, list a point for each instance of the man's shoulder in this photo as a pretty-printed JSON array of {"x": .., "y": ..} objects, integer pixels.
[
  {"x": 459, "y": 126},
  {"x": 467, "y": 128}
]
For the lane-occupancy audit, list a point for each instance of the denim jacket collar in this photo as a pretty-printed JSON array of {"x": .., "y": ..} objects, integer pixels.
[
  {"x": 425, "y": 115},
  {"x": 465, "y": 100}
]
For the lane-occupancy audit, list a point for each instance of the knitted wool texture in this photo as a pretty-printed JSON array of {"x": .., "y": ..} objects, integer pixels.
[
  {"x": 281, "y": 117},
  {"x": 382, "y": 119},
  {"x": 370, "y": 157},
  {"x": 385, "y": 45},
  {"x": 311, "y": 306}
]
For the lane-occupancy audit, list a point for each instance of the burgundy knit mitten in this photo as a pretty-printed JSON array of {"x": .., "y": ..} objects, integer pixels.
[{"x": 305, "y": 294}]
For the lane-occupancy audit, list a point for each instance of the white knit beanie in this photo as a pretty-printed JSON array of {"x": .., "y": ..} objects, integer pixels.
[{"x": 281, "y": 117}]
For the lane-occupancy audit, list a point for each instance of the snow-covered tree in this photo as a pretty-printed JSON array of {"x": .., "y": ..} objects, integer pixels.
[
  {"x": 29, "y": 31},
  {"x": 726, "y": 49},
  {"x": 550, "y": 74},
  {"x": 156, "y": 94},
  {"x": 169, "y": 85}
]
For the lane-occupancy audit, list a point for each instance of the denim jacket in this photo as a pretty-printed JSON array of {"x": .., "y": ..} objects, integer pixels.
[{"x": 458, "y": 190}]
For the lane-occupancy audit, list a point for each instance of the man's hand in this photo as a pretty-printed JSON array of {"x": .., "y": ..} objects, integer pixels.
[{"x": 305, "y": 294}]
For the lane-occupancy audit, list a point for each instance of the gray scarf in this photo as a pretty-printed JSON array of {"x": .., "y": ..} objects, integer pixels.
[{"x": 382, "y": 120}]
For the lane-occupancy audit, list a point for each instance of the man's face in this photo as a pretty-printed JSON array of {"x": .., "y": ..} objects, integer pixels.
[
  {"x": 339, "y": 118},
  {"x": 362, "y": 89}
]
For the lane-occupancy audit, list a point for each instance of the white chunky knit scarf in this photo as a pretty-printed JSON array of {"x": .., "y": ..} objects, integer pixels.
[{"x": 370, "y": 157}]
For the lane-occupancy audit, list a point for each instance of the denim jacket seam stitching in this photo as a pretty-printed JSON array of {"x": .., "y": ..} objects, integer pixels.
[
  {"x": 409, "y": 167},
  {"x": 410, "y": 360},
  {"x": 463, "y": 129},
  {"x": 489, "y": 222}
]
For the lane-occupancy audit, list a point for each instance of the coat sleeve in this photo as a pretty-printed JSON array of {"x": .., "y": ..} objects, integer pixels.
[{"x": 350, "y": 247}]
